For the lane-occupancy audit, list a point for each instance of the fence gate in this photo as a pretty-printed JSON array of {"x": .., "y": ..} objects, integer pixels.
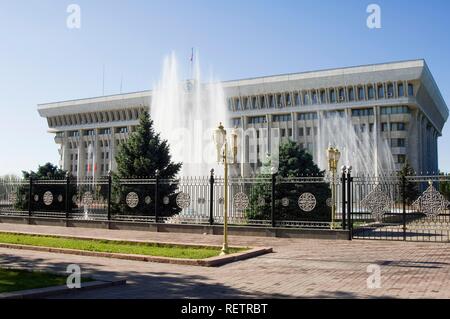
[{"x": 412, "y": 208}]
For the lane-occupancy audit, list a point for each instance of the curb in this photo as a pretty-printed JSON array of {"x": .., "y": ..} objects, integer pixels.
[
  {"x": 208, "y": 262},
  {"x": 58, "y": 290}
]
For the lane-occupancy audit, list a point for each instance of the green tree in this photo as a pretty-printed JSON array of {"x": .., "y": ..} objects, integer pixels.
[
  {"x": 142, "y": 155},
  {"x": 293, "y": 162},
  {"x": 411, "y": 188},
  {"x": 444, "y": 188},
  {"x": 44, "y": 172}
]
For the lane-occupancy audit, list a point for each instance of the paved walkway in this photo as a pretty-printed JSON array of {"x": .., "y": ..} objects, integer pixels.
[{"x": 297, "y": 268}]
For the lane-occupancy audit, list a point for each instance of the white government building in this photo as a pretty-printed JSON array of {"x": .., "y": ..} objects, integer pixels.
[{"x": 400, "y": 99}]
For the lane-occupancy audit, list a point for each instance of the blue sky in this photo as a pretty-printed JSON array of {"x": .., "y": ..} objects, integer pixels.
[{"x": 41, "y": 60}]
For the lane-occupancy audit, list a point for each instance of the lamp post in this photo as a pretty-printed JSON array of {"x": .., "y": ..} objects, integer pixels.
[
  {"x": 333, "y": 156},
  {"x": 220, "y": 141}
]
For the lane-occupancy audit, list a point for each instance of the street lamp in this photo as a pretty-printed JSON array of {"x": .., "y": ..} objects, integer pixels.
[
  {"x": 220, "y": 140},
  {"x": 333, "y": 156}
]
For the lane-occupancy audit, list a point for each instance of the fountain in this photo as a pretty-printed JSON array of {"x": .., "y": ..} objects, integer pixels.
[
  {"x": 361, "y": 146},
  {"x": 185, "y": 113}
]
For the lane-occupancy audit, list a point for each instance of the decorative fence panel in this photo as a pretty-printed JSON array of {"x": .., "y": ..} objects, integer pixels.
[
  {"x": 413, "y": 208},
  {"x": 14, "y": 197},
  {"x": 383, "y": 207}
]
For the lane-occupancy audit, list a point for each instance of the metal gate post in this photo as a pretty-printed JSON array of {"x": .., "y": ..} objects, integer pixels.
[
  {"x": 68, "y": 204},
  {"x": 211, "y": 198},
  {"x": 30, "y": 195},
  {"x": 109, "y": 194},
  {"x": 272, "y": 208},
  {"x": 343, "y": 185},
  {"x": 404, "y": 205},
  {"x": 156, "y": 195},
  {"x": 349, "y": 202}
]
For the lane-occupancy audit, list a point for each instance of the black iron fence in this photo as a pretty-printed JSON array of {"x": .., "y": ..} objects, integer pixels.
[
  {"x": 271, "y": 201},
  {"x": 411, "y": 208},
  {"x": 380, "y": 207}
]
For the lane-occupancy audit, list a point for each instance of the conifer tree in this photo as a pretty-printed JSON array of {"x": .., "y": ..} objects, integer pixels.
[
  {"x": 293, "y": 162},
  {"x": 141, "y": 156}
]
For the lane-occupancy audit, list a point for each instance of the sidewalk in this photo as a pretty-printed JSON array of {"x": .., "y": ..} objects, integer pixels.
[{"x": 298, "y": 268}]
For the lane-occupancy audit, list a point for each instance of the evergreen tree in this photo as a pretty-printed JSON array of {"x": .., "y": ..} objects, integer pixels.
[
  {"x": 142, "y": 155},
  {"x": 411, "y": 188},
  {"x": 293, "y": 162}
]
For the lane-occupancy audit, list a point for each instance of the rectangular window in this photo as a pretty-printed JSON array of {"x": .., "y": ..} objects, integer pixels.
[
  {"x": 281, "y": 117},
  {"x": 361, "y": 95},
  {"x": 371, "y": 93},
  {"x": 301, "y": 132},
  {"x": 410, "y": 89},
  {"x": 279, "y": 101},
  {"x": 401, "y": 159},
  {"x": 290, "y": 132},
  {"x": 308, "y": 131},
  {"x": 283, "y": 132},
  {"x": 384, "y": 127},
  {"x": 262, "y": 102},
  {"x": 257, "y": 120},
  {"x": 390, "y": 90},
  {"x": 351, "y": 94},
  {"x": 122, "y": 130},
  {"x": 74, "y": 133},
  {"x": 398, "y": 142},
  {"x": 381, "y": 91},
  {"x": 306, "y": 99},
  {"x": 288, "y": 100},
  {"x": 323, "y": 97},
  {"x": 362, "y": 112},
  {"x": 395, "y": 110},
  {"x": 401, "y": 91},
  {"x": 237, "y": 102},
  {"x": 104, "y": 131},
  {"x": 236, "y": 122},
  {"x": 297, "y": 99},
  {"x": 306, "y": 116},
  {"x": 341, "y": 95},
  {"x": 332, "y": 96},
  {"x": 271, "y": 101},
  {"x": 314, "y": 98},
  {"x": 398, "y": 126}
]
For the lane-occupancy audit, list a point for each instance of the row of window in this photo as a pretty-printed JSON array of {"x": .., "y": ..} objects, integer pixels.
[
  {"x": 394, "y": 126},
  {"x": 98, "y": 117},
  {"x": 402, "y": 109},
  {"x": 362, "y": 112},
  {"x": 322, "y": 96},
  {"x": 314, "y": 115},
  {"x": 74, "y": 168},
  {"x": 103, "y": 131}
]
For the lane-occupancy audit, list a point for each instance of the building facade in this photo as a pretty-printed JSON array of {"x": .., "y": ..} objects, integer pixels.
[{"x": 400, "y": 100}]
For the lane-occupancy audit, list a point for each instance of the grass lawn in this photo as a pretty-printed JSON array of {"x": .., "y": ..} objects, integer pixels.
[
  {"x": 123, "y": 247},
  {"x": 17, "y": 280}
]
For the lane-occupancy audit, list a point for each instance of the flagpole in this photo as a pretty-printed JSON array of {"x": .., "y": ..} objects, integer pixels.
[{"x": 192, "y": 64}]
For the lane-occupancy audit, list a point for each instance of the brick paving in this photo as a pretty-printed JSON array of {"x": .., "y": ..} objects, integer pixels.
[{"x": 297, "y": 268}]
